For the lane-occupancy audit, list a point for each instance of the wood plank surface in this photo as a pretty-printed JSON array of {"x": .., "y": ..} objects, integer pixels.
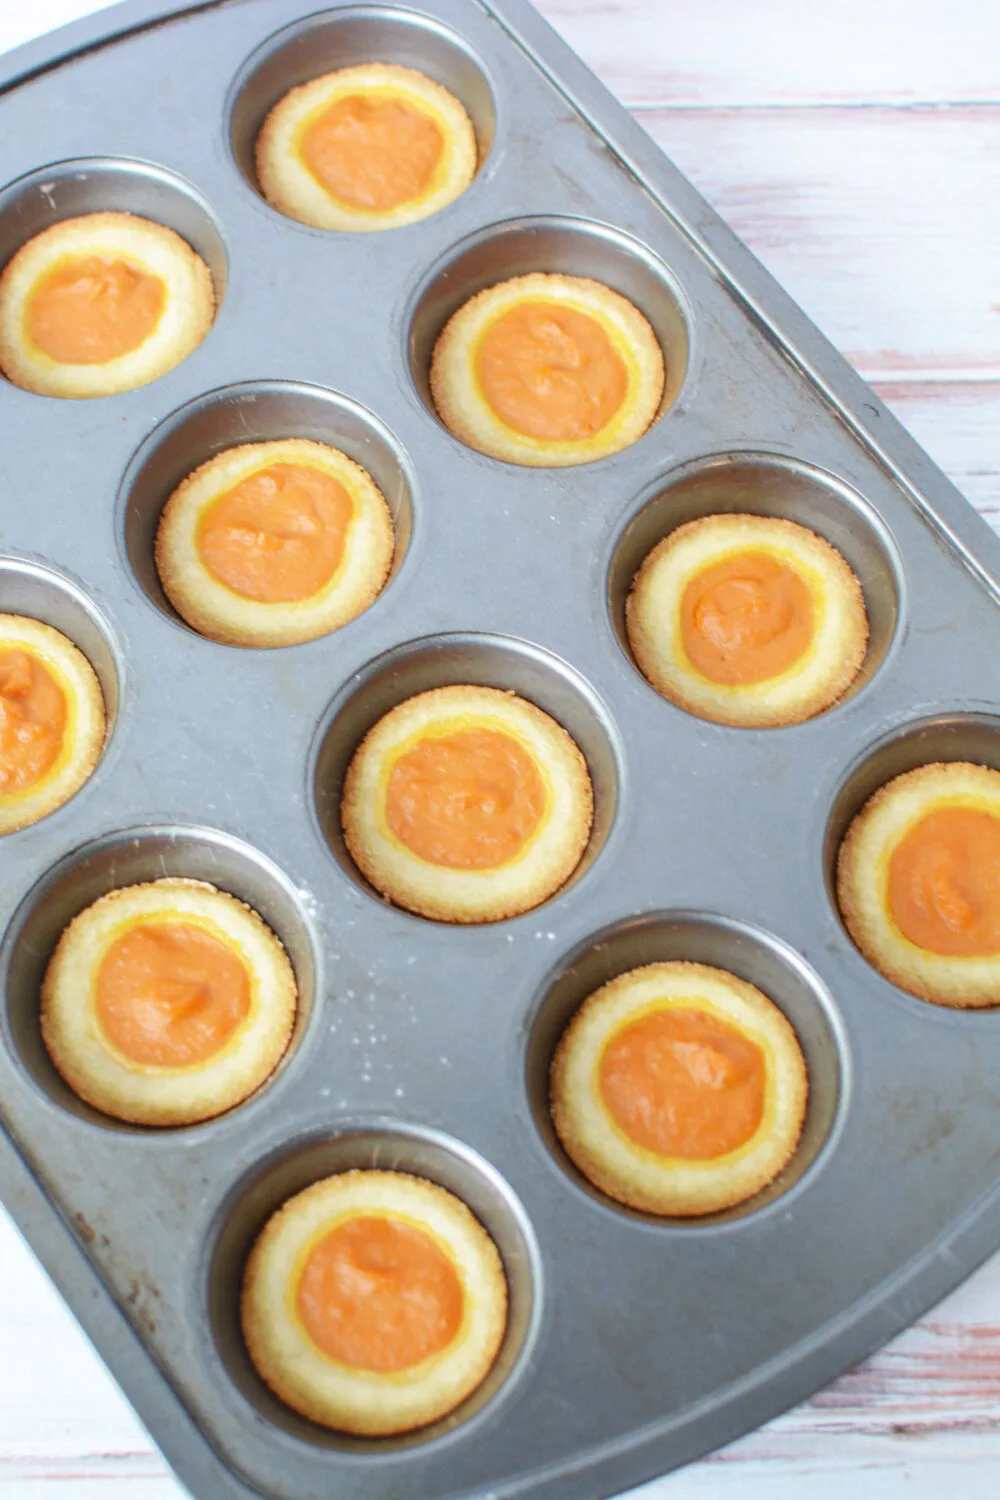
[
  {"x": 693, "y": 53},
  {"x": 883, "y": 223},
  {"x": 855, "y": 145}
]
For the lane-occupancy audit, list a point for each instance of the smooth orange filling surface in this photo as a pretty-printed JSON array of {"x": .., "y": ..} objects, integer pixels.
[
  {"x": 170, "y": 995},
  {"x": 551, "y": 372},
  {"x": 279, "y": 535},
  {"x": 468, "y": 800},
  {"x": 32, "y": 720},
  {"x": 683, "y": 1083},
  {"x": 94, "y": 308},
  {"x": 944, "y": 883},
  {"x": 378, "y": 1294},
  {"x": 746, "y": 618},
  {"x": 373, "y": 152}
]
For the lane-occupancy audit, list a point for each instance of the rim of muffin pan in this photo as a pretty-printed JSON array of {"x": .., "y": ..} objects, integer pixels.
[
  {"x": 552, "y": 243},
  {"x": 255, "y": 411},
  {"x": 119, "y": 184},
  {"x": 333, "y": 39},
  {"x": 386, "y": 1144},
  {"x": 482, "y": 660},
  {"x": 743, "y": 949},
  {"x": 754, "y": 481},
  {"x": 952, "y": 734},
  {"x": 41, "y": 592},
  {"x": 127, "y": 857}
]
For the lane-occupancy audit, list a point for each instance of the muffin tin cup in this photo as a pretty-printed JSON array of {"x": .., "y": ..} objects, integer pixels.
[
  {"x": 446, "y": 660},
  {"x": 254, "y": 412},
  {"x": 384, "y": 1145},
  {"x": 344, "y": 38},
  {"x": 573, "y": 247},
  {"x": 923, "y": 741},
  {"x": 634, "y": 1343},
  {"x": 103, "y": 184},
  {"x": 132, "y": 857},
  {"x": 770, "y": 484},
  {"x": 759, "y": 958},
  {"x": 38, "y": 592}
]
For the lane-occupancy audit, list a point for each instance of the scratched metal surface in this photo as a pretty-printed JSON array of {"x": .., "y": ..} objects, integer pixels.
[{"x": 424, "y": 1045}]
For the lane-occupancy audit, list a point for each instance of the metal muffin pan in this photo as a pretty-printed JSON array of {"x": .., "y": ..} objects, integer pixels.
[{"x": 633, "y": 1344}]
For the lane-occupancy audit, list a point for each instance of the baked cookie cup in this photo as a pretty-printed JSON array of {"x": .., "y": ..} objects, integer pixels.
[
  {"x": 167, "y": 1003},
  {"x": 374, "y": 1303},
  {"x": 368, "y": 147},
  {"x": 547, "y": 370},
  {"x": 101, "y": 304},
  {"x": 467, "y": 804},
  {"x": 52, "y": 720},
  {"x": 747, "y": 620},
  {"x": 274, "y": 543},
  {"x": 918, "y": 883},
  {"x": 679, "y": 1089}
]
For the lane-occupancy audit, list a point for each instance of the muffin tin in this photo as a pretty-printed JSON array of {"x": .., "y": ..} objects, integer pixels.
[{"x": 634, "y": 1344}]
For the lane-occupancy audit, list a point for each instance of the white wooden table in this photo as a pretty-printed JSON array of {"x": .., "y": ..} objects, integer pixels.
[{"x": 855, "y": 145}]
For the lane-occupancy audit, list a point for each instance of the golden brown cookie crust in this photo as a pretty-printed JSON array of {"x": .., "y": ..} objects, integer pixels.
[
  {"x": 83, "y": 740},
  {"x": 365, "y": 1402},
  {"x": 444, "y": 894},
  {"x": 218, "y": 612},
  {"x": 635, "y": 1176},
  {"x": 463, "y": 407},
  {"x": 862, "y": 879},
  {"x": 188, "y": 312},
  {"x": 811, "y": 686},
  {"x": 290, "y": 187},
  {"x": 165, "y": 1096}
]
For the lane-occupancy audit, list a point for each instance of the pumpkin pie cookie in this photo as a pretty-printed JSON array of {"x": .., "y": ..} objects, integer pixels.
[
  {"x": 547, "y": 370},
  {"x": 367, "y": 147},
  {"x": 273, "y": 543},
  {"x": 374, "y": 1303},
  {"x": 679, "y": 1089},
  {"x": 918, "y": 881},
  {"x": 747, "y": 620},
  {"x": 52, "y": 722},
  {"x": 167, "y": 1003},
  {"x": 467, "y": 804},
  {"x": 101, "y": 304}
]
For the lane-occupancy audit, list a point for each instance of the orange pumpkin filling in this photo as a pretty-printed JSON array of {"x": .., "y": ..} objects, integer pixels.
[
  {"x": 170, "y": 995},
  {"x": 378, "y": 1294},
  {"x": 32, "y": 721},
  {"x": 279, "y": 535},
  {"x": 746, "y": 619},
  {"x": 944, "y": 883},
  {"x": 551, "y": 372},
  {"x": 469, "y": 800},
  {"x": 372, "y": 153},
  {"x": 683, "y": 1083},
  {"x": 94, "y": 308}
]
